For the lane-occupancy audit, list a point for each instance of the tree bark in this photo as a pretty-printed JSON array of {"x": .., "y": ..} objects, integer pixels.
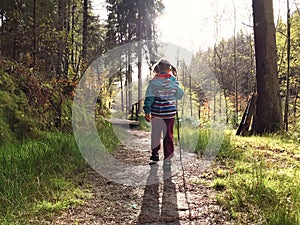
[
  {"x": 34, "y": 33},
  {"x": 84, "y": 29},
  {"x": 2, "y": 33},
  {"x": 236, "y": 103},
  {"x": 268, "y": 117},
  {"x": 287, "y": 95}
]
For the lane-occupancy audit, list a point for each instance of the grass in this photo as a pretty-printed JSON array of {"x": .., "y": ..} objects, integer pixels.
[
  {"x": 206, "y": 141},
  {"x": 39, "y": 177},
  {"x": 257, "y": 179},
  {"x": 261, "y": 183}
]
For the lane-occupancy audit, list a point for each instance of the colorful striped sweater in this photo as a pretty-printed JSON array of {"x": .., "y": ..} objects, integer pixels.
[{"x": 161, "y": 95}]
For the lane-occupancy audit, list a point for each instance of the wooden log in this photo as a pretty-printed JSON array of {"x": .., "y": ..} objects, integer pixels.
[
  {"x": 123, "y": 122},
  {"x": 247, "y": 118}
]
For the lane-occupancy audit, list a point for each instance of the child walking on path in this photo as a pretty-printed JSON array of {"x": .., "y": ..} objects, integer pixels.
[{"x": 160, "y": 108}]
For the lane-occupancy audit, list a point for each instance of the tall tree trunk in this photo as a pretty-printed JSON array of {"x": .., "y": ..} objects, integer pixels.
[
  {"x": 129, "y": 82},
  {"x": 236, "y": 103},
  {"x": 34, "y": 33},
  {"x": 252, "y": 84},
  {"x": 268, "y": 110},
  {"x": 287, "y": 95},
  {"x": 190, "y": 88},
  {"x": 61, "y": 43},
  {"x": 122, "y": 91},
  {"x": 295, "y": 104},
  {"x": 2, "y": 33},
  {"x": 72, "y": 35},
  {"x": 84, "y": 28},
  {"x": 67, "y": 49},
  {"x": 139, "y": 33}
]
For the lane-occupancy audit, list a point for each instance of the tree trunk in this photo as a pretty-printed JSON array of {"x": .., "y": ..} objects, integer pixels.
[
  {"x": 190, "y": 88},
  {"x": 34, "y": 33},
  {"x": 287, "y": 95},
  {"x": 268, "y": 109},
  {"x": 84, "y": 28},
  {"x": 236, "y": 103},
  {"x": 2, "y": 33},
  {"x": 72, "y": 36},
  {"x": 295, "y": 105},
  {"x": 122, "y": 91}
]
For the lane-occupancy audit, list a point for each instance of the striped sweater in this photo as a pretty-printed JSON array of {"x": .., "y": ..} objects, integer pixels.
[{"x": 161, "y": 95}]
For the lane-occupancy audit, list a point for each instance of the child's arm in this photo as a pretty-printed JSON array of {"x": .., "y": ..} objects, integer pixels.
[
  {"x": 148, "y": 102},
  {"x": 179, "y": 92}
]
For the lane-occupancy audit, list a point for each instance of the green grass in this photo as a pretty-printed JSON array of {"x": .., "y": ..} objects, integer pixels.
[
  {"x": 257, "y": 179},
  {"x": 107, "y": 134},
  {"x": 39, "y": 177},
  {"x": 207, "y": 141},
  {"x": 261, "y": 183}
]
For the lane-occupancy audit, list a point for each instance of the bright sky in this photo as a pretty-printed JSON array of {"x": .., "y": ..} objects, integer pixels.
[{"x": 194, "y": 24}]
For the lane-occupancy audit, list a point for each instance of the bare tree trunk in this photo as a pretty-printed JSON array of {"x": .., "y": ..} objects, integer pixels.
[
  {"x": 220, "y": 57},
  {"x": 295, "y": 104},
  {"x": 235, "y": 68},
  {"x": 122, "y": 91},
  {"x": 139, "y": 33},
  {"x": 287, "y": 95},
  {"x": 139, "y": 76},
  {"x": 2, "y": 33},
  {"x": 129, "y": 82},
  {"x": 190, "y": 87},
  {"x": 268, "y": 108},
  {"x": 84, "y": 29},
  {"x": 215, "y": 100},
  {"x": 252, "y": 69},
  {"x": 72, "y": 35},
  {"x": 34, "y": 33}
]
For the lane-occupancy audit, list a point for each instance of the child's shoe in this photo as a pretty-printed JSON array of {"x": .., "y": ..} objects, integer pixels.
[{"x": 154, "y": 158}]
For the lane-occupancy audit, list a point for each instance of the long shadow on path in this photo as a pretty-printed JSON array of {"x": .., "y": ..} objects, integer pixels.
[{"x": 151, "y": 213}]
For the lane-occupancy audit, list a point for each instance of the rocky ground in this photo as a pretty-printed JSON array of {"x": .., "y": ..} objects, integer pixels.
[{"x": 181, "y": 196}]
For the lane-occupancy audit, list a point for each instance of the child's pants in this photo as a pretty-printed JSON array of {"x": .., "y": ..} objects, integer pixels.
[{"x": 165, "y": 127}]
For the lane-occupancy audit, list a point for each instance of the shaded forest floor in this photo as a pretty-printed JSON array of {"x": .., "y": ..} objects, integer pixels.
[{"x": 185, "y": 197}]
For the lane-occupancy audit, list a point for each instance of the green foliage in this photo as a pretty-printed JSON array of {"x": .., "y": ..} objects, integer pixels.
[
  {"x": 107, "y": 134},
  {"x": 29, "y": 105},
  {"x": 281, "y": 39},
  {"x": 262, "y": 180},
  {"x": 15, "y": 114},
  {"x": 57, "y": 28},
  {"x": 130, "y": 20},
  {"x": 35, "y": 176},
  {"x": 200, "y": 140},
  {"x": 144, "y": 125}
]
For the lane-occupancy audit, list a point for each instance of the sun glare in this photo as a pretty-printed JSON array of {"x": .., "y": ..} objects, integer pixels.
[{"x": 198, "y": 24}]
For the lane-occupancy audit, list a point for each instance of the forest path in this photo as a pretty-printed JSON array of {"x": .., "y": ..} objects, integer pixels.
[{"x": 183, "y": 197}]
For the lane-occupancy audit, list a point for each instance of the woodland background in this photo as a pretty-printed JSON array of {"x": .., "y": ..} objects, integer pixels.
[{"x": 45, "y": 48}]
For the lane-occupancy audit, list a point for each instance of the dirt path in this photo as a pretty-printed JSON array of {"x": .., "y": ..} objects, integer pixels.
[{"x": 182, "y": 198}]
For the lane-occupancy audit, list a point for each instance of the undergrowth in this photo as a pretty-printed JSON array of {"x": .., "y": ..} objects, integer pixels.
[
  {"x": 256, "y": 178},
  {"x": 260, "y": 180},
  {"x": 39, "y": 177}
]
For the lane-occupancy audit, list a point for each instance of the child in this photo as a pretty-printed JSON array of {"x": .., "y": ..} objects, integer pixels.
[{"x": 160, "y": 108}]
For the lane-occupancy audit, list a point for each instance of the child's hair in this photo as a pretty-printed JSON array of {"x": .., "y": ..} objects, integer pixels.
[
  {"x": 174, "y": 71},
  {"x": 156, "y": 69},
  {"x": 164, "y": 66}
]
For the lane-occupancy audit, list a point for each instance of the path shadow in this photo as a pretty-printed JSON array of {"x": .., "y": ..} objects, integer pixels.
[{"x": 151, "y": 213}]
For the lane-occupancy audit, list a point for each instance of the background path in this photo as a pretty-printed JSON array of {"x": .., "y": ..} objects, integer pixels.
[{"x": 175, "y": 200}]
